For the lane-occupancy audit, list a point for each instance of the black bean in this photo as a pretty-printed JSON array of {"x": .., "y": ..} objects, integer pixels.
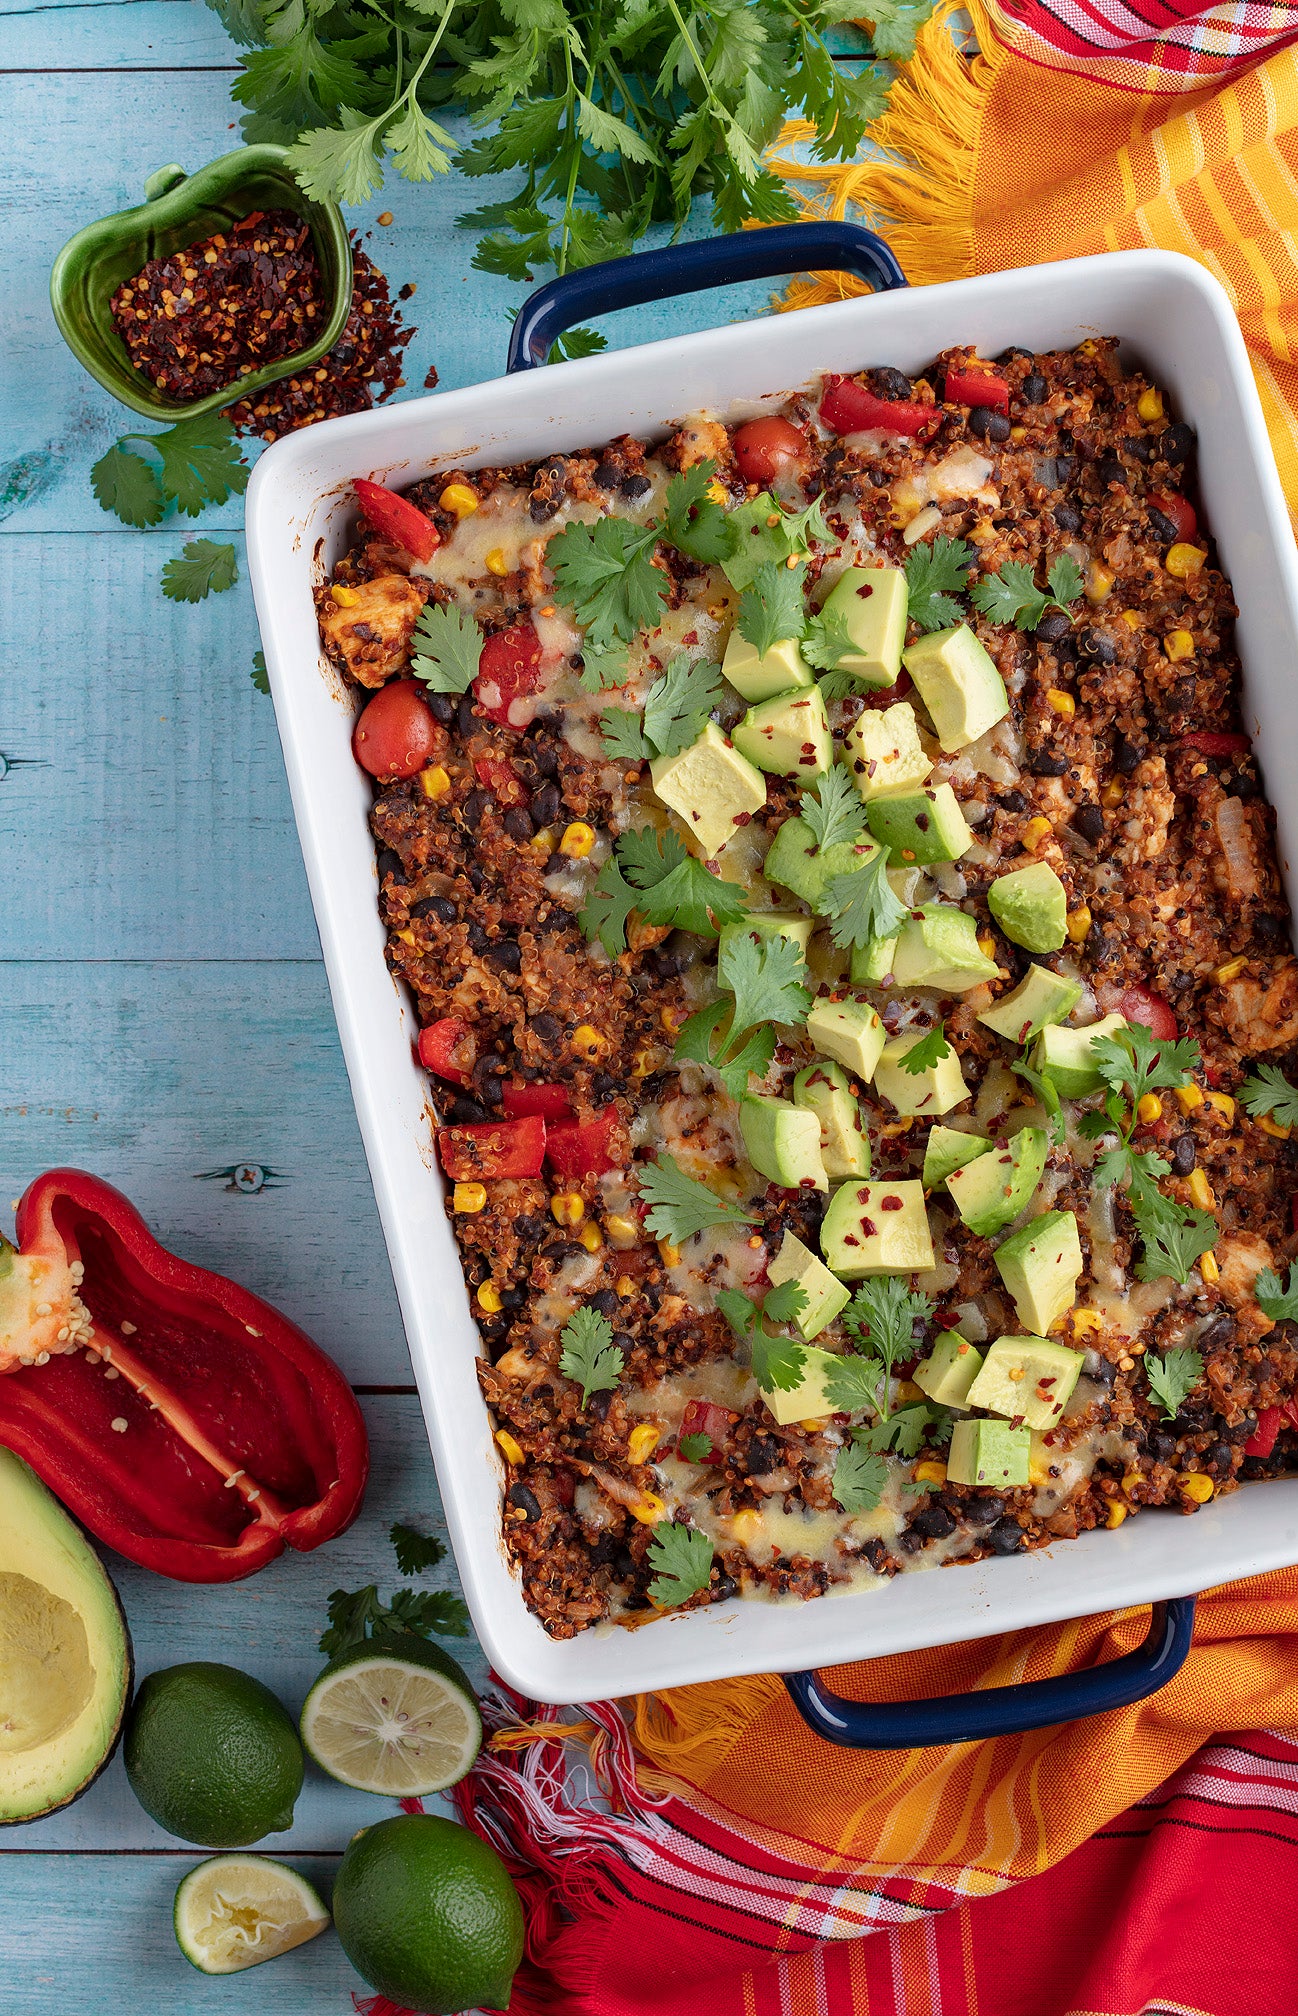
[
  {"x": 603, "y": 1550},
  {"x": 607, "y": 475},
  {"x": 1241, "y": 785},
  {"x": 876, "y": 1554},
  {"x": 605, "y": 1302},
  {"x": 546, "y": 758},
  {"x": 1184, "y": 1154},
  {"x": 764, "y": 1455},
  {"x": 464, "y": 1112},
  {"x": 491, "y": 1091},
  {"x": 1110, "y": 470},
  {"x": 1138, "y": 446},
  {"x": 910, "y": 1541},
  {"x": 1066, "y": 518},
  {"x": 478, "y": 939},
  {"x": 1126, "y": 756},
  {"x": 599, "y": 1403},
  {"x": 983, "y": 1511},
  {"x": 545, "y": 805},
  {"x": 934, "y": 1522},
  {"x": 1162, "y": 1446},
  {"x": 988, "y": 424},
  {"x": 1218, "y": 1457},
  {"x": 1162, "y": 528},
  {"x": 465, "y": 718},
  {"x": 546, "y": 1028},
  {"x": 1056, "y": 623},
  {"x": 666, "y": 961},
  {"x": 1012, "y": 801},
  {"x": 441, "y": 707},
  {"x": 1175, "y": 443},
  {"x": 512, "y": 1298},
  {"x": 1044, "y": 765},
  {"x": 530, "y": 1229},
  {"x": 390, "y": 864},
  {"x": 624, "y": 1341},
  {"x": 1034, "y": 388},
  {"x": 891, "y": 384},
  {"x": 634, "y": 486},
  {"x": 1242, "y": 1431},
  {"x": 440, "y": 907},
  {"x": 1105, "y": 1371},
  {"x": 1088, "y": 820},
  {"x": 1014, "y": 350},
  {"x": 524, "y": 1500},
  {"x": 1098, "y": 946},
  {"x": 477, "y": 878},
  {"x": 558, "y": 1249},
  {"x": 1096, "y": 646},
  {"x": 1006, "y": 1537},
  {"x": 879, "y": 478},
  {"x": 1270, "y": 927},
  {"x": 541, "y": 509},
  {"x": 1218, "y": 1333},
  {"x": 507, "y": 955},
  {"x": 602, "y": 1086},
  {"x": 625, "y": 1564},
  {"x": 724, "y": 1586},
  {"x": 518, "y": 823}
]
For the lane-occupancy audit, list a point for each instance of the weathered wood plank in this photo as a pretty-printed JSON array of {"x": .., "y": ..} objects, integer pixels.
[{"x": 165, "y": 1080}]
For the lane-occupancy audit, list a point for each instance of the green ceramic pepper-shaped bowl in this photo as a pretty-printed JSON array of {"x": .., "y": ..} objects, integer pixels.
[{"x": 178, "y": 210}]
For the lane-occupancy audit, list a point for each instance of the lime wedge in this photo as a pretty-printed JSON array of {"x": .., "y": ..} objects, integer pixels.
[
  {"x": 235, "y": 1911},
  {"x": 397, "y": 1719}
]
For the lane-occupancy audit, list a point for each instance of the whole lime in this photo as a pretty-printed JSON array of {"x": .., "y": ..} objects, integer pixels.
[
  {"x": 428, "y": 1915},
  {"x": 212, "y": 1755}
]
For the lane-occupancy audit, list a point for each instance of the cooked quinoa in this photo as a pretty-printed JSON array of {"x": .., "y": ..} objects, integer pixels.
[{"x": 1121, "y": 765}]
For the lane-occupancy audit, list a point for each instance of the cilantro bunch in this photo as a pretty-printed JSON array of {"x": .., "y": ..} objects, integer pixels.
[
  {"x": 1132, "y": 1063},
  {"x": 357, "y": 1615},
  {"x": 777, "y": 1362},
  {"x": 1011, "y": 594}
]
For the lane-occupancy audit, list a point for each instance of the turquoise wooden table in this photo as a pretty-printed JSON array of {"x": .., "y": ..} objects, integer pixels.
[{"x": 164, "y": 1018}]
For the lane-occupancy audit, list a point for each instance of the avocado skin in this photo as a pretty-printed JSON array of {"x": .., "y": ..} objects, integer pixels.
[{"x": 123, "y": 1659}]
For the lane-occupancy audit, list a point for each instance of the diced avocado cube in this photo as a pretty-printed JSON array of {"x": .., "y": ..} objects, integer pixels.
[
  {"x": 872, "y": 962},
  {"x": 884, "y": 753},
  {"x": 850, "y": 1031},
  {"x": 1040, "y": 998},
  {"x": 873, "y": 603},
  {"x": 823, "y": 1088},
  {"x": 761, "y": 675},
  {"x": 714, "y": 788},
  {"x": 825, "y": 1293},
  {"x": 876, "y": 1228},
  {"x": 1031, "y": 907},
  {"x": 948, "y": 1149},
  {"x": 989, "y": 1453},
  {"x": 1041, "y": 1265},
  {"x": 1064, "y": 1057},
  {"x": 808, "y": 1400},
  {"x": 795, "y": 862},
  {"x": 959, "y": 684},
  {"x": 920, "y": 826},
  {"x": 768, "y": 924},
  {"x": 782, "y": 1141},
  {"x": 789, "y": 735},
  {"x": 1026, "y": 1379},
  {"x": 937, "y": 946},
  {"x": 949, "y": 1370},
  {"x": 991, "y": 1191},
  {"x": 936, "y": 1089}
]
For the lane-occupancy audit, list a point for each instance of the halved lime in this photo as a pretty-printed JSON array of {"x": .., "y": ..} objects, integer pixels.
[
  {"x": 397, "y": 1717},
  {"x": 235, "y": 1911}
]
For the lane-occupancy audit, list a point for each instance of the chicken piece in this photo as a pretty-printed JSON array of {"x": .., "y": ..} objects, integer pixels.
[
  {"x": 1150, "y": 805},
  {"x": 1241, "y": 1256},
  {"x": 699, "y": 441},
  {"x": 1262, "y": 1014},
  {"x": 370, "y": 637}
]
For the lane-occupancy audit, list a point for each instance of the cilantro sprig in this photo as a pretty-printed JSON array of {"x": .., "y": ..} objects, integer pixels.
[
  {"x": 680, "y": 1206},
  {"x": 1275, "y": 1299},
  {"x": 936, "y": 573},
  {"x": 416, "y": 1552},
  {"x": 357, "y": 1615},
  {"x": 1267, "y": 1093},
  {"x": 860, "y": 1478},
  {"x": 447, "y": 646},
  {"x": 654, "y": 875},
  {"x": 695, "y": 1448},
  {"x": 1132, "y": 1062},
  {"x": 605, "y": 574},
  {"x": 675, "y": 712},
  {"x": 198, "y": 464},
  {"x": 693, "y": 521},
  {"x": 833, "y": 810},
  {"x": 930, "y": 1050},
  {"x": 764, "y": 976},
  {"x": 882, "y": 1315},
  {"x": 764, "y": 532},
  {"x": 681, "y": 1558},
  {"x": 777, "y": 1362},
  {"x": 1172, "y": 1377},
  {"x": 589, "y": 1356},
  {"x": 1011, "y": 594},
  {"x": 771, "y": 607},
  {"x": 862, "y": 904}
]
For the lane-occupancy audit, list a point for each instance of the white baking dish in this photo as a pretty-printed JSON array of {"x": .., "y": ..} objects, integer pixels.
[{"x": 1178, "y": 322}]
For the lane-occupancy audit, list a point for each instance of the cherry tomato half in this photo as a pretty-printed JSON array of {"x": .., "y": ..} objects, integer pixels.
[
  {"x": 765, "y": 449},
  {"x": 705, "y": 1417},
  {"x": 971, "y": 387},
  {"x": 1178, "y": 510},
  {"x": 508, "y": 670},
  {"x": 397, "y": 519},
  {"x": 1141, "y": 1004},
  {"x": 850, "y": 409},
  {"x": 396, "y": 735}
]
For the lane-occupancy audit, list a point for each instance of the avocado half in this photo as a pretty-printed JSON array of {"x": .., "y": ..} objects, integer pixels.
[{"x": 65, "y": 1677}]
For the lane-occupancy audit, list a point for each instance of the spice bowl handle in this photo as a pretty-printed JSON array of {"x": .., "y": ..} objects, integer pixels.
[
  {"x": 164, "y": 180},
  {"x": 776, "y": 250},
  {"x": 1001, "y": 1711}
]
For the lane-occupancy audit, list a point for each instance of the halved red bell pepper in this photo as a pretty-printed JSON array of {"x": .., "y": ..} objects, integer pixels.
[
  {"x": 495, "y": 1148},
  {"x": 509, "y": 667},
  {"x": 186, "y": 1422},
  {"x": 1178, "y": 510},
  {"x": 972, "y": 387},
  {"x": 587, "y": 1147},
  {"x": 850, "y": 409},
  {"x": 705, "y": 1417},
  {"x": 397, "y": 519},
  {"x": 550, "y": 1101},
  {"x": 1209, "y": 743},
  {"x": 446, "y": 1049}
]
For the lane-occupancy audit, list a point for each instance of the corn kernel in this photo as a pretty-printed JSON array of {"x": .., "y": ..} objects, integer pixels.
[
  {"x": 1224, "y": 1104},
  {"x": 1183, "y": 560},
  {"x": 1150, "y": 404},
  {"x": 1178, "y": 644},
  {"x": 1209, "y": 1269},
  {"x": 587, "y": 1041},
  {"x": 672, "y": 1019},
  {"x": 496, "y": 562},
  {"x": 644, "y": 1064},
  {"x": 624, "y": 1286},
  {"x": 489, "y": 1299},
  {"x": 578, "y": 839},
  {"x": 1130, "y": 1479},
  {"x": 1113, "y": 794},
  {"x": 1230, "y": 971},
  {"x": 1149, "y": 1109},
  {"x": 458, "y": 497},
  {"x": 1198, "y": 1487},
  {"x": 668, "y": 1253},
  {"x": 1078, "y": 923},
  {"x": 1188, "y": 1097},
  {"x": 813, "y": 1424},
  {"x": 346, "y": 598},
  {"x": 1201, "y": 1191},
  {"x": 1035, "y": 832},
  {"x": 1271, "y": 1127},
  {"x": 434, "y": 782},
  {"x": 1063, "y": 703},
  {"x": 508, "y": 1447},
  {"x": 930, "y": 1472},
  {"x": 1115, "y": 1515},
  {"x": 591, "y": 1238},
  {"x": 987, "y": 944},
  {"x": 908, "y": 1393},
  {"x": 622, "y": 1231},
  {"x": 641, "y": 1441},
  {"x": 469, "y": 1197},
  {"x": 567, "y": 1207},
  {"x": 746, "y": 1527},
  {"x": 407, "y": 937},
  {"x": 718, "y": 492},
  {"x": 1085, "y": 1320},
  {"x": 542, "y": 843},
  {"x": 1018, "y": 434},
  {"x": 1099, "y": 581},
  {"x": 1132, "y": 618},
  {"x": 1038, "y": 1472}
]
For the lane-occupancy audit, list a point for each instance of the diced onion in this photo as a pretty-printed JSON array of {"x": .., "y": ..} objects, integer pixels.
[{"x": 1236, "y": 836}]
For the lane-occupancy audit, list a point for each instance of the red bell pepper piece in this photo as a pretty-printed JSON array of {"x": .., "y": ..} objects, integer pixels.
[
  {"x": 1263, "y": 1439},
  {"x": 550, "y": 1101},
  {"x": 1209, "y": 743},
  {"x": 397, "y": 519},
  {"x": 241, "y": 1437},
  {"x": 497, "y": 1148},
  {"x": 509, "y": 669},
  {"x": 587, "y": 1147},
  {"x": 848, "y": 408},
  {"x": 446, "y": 1049},
  {"x": 972, "y": 387},
  {"x": 704, "y": 1417},
  {"x": 1178, "y": 509},
  {"x": 1141, "y": 1004},
  {"x": 501, "y": 778}
]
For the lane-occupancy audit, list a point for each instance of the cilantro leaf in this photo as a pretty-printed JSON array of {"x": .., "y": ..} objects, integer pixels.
[
  {"x": 678, "y": 704},
  {"x": 259, "y": 675},
  {"x": 1274, "y": 1300},
  {"x": 416, "y": 1552},
  {"x": 777, "y": 1362},
  {"x": 771, "y": 608},
  {"x": 863, "y": 903},
  {"x": 126, "y": 484},
  {"x": 883, "y": 1313},
  {"x": 852, "y": 1383},
  {"x": 605, "y": 574},
  {"x": 601, "y": 670},
  {"x": 203, "y": 568},
  {"x": 607, "y": 907},
  {"x": 589, "y": 1354},
  {"x": 1174, "y": 1240},
  {"x": 695, "y": 1448},
  {"x": 623, "y": 733},
  {"x": 1137, "y": 1062},
  {"x": 805, "y": 527},
  {"x": 765, "y": 974},
  {"x": 1172, "y": 1377},
  {"x": 1011, "y": 595},
  {"x": 1064, "y": 579},
  {"x": 860, "y": 1478},
  {"x": 696, "y": 1041},
  {"x": 692, "y": 521},
  {"x": 934, "y": 574},
  {"x": 447, "y": 647},
  {"x": 904, "y": 1432},
  {"x": 357, "y": 1615},
  {"x": 1266, "y": 1091},
  {"x": 672, "y": 887},
  {"x": 680, "y": 1207},
  {"x": 834, "y": 810},
  {"x": 201, "y": 463},
  {"x": 930, "y": 1050},
  {"x": 762, "y": 532},
  {"x": 826, "y": 642},
  {"x": 681, "y": 1558}
]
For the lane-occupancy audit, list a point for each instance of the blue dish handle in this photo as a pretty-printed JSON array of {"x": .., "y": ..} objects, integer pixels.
[
  {"x": 686, "y": 269},
  {"x": 1001, "y": 1711}
]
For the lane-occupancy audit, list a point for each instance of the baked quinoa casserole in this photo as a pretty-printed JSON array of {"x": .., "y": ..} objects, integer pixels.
[{"x": 843, "y": 917}]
